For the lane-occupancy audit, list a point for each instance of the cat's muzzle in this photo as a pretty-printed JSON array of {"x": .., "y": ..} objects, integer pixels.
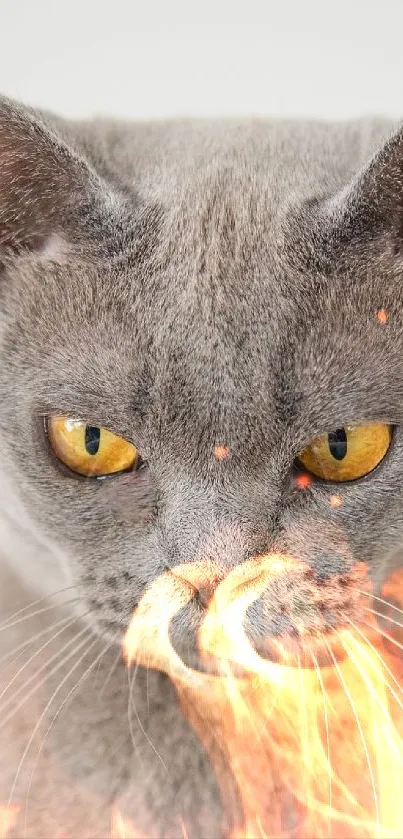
[{"x": 288, "y": 612}]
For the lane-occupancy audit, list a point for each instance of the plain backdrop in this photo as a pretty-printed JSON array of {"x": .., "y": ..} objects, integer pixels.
[{"x": 174, "y": 57}]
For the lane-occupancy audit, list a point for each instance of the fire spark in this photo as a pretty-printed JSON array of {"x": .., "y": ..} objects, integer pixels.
[
  {"x": 8, "y": 820},
  {"x": 308, "y": 751}
]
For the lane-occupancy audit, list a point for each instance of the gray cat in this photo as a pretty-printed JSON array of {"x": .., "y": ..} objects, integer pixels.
[{"x": 183, "y": 285}]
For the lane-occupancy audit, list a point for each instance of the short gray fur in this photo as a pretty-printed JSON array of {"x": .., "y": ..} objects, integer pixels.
[{"x": 186, "y": 284}]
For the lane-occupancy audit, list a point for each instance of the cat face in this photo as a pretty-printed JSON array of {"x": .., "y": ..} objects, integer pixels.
[{"x": 219, "y": 327}]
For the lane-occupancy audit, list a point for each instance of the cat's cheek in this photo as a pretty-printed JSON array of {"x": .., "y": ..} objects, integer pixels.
[{"x": 131, "y": 498}]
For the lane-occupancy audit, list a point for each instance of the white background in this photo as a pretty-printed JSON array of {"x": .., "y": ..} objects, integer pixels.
[{"x": 174, "y": 57}]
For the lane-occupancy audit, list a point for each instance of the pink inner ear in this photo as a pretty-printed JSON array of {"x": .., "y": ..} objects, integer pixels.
[{"x": 55, "y": 249}]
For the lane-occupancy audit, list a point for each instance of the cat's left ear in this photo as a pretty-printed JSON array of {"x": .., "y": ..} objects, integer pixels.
[{"x": 46, "y": 187}]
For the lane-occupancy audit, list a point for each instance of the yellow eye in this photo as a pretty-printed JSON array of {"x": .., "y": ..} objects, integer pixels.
[
  {"x": 347, "y": 453},
  {"x": 89, "y": 450}
]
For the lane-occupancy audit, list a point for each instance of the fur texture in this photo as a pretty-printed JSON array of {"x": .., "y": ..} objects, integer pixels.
[{"x": 185, "y": 284}]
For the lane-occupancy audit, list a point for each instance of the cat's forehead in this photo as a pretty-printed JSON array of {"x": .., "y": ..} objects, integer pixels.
[
  {"x": 218, "y": 309},
  {"x": 217, "y": 327}
]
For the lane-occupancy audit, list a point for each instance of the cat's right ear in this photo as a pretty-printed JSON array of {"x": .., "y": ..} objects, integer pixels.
[
  {"x": 46, "y": 186},
  {"x": 372, "y": 203}
]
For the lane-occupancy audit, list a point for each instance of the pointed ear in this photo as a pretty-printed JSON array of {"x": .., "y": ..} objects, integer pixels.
[
  {"x": 44, "y": 183},
  {"x": 378, "y": 188},
  {"x": 363, "y": 219},
  {"x": 372, "y": 204}
]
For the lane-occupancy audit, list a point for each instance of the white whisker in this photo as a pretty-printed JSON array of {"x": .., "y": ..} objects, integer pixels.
[
  {"x": 370, "y": 686},
  {"x": 11, "y": 620},
  {"x": 304, "y": 729},
  {"x": 390, "y": 620},
  {"x": 79, "y": 646},
  {"x": 361, "y": 732},
  {"x": 33, "y": 656},
  {"x": 35, "y": 603},
  {"x": 56, "y": 715},
  {"x": 111, "y": 672},
  {"x": 28, "y": 642},
  {"x": 131, "y": 677},
  {"x": 326, "y": 719},
  {"x": 23, "y": 618},
  {"x": 379, "y": 599},
  {"x": 142, "y": 729},
  {"x": 5, "y": 720},
  {"x": 384, "y": 664}
]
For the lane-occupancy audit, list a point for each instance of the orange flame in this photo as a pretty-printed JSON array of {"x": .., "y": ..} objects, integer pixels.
[
  {"x": 122, "y": 828},
  {"x": 221, "y": 452},
  {"x": 8, "y": 820},
  {"x": 382, "y": 316},
  {"x": 307, "y": 751},
  {"x": 303, "y": 481}
]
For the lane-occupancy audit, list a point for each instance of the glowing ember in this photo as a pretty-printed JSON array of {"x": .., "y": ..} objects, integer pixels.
[
  {"x": 303, "y": 481},
  {"x": 221, "y": 452},
  {"x": 382, "y": 315},
  {"x": 185, "y": 834},
  {"x": 8, "y": 820},
  {"x": 305, "y": 751},
  {"x": 335, "y": 501},
  {"x": 123, "y": 828}
]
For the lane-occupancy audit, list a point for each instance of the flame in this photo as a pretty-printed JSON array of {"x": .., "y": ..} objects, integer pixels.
[
  {"x": 8, "y": 820},
  {"x": 306, "y": 745},
  {"x": 123, "y": 828},
  {"x": 303, "y": 481},
  {"x": 183, "y": 827},
  {"x": 221, "y": 452}
]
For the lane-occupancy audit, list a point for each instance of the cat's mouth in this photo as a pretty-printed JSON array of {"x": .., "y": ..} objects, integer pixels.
[{"x": 269, "y": 609}]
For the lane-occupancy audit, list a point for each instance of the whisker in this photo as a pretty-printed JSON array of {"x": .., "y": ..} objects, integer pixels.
[
  {"x": 56, "y": 715},
  {"x": 370, "y": 686},
  {"x": 379, "y": 599},
  {"x": 5, "y": 720},
  {"x": 77, "y": 649},
  {"x": 27, "y": 617},
  {"x": 304, "y": 732},
  {"x": 71, "y": 621},
  {"x": 111, "y": 671},
  {"x": 395, "y": 623},
  {"x": 383, "y": 663},
  {"x": 142, "y": 729},
  {"x": 35, "y": 603},
  {"x": 360, "y": 729},
  {"x": 326, "y": 719},
  {"x": 389, "y": 638},
  {"x": 147, "y": 688},
  {"x": 96, "y": 673},
  {"x": 131, "y": 677},
  {"x": 32, "y": 640}
]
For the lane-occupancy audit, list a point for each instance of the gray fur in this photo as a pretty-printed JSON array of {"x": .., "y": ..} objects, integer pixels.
[{"x": 185, "y": 284}]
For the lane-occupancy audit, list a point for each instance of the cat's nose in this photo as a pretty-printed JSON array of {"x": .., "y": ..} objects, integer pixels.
[{"x": 206, "y": 591}]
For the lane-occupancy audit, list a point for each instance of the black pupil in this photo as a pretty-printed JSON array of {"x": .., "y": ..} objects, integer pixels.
[
  {"x": 92, "y": 439},
  {"x": 338, "y": 443}
]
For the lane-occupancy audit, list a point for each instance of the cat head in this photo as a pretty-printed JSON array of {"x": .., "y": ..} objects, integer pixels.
[{"x": 216, "y": 297}]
